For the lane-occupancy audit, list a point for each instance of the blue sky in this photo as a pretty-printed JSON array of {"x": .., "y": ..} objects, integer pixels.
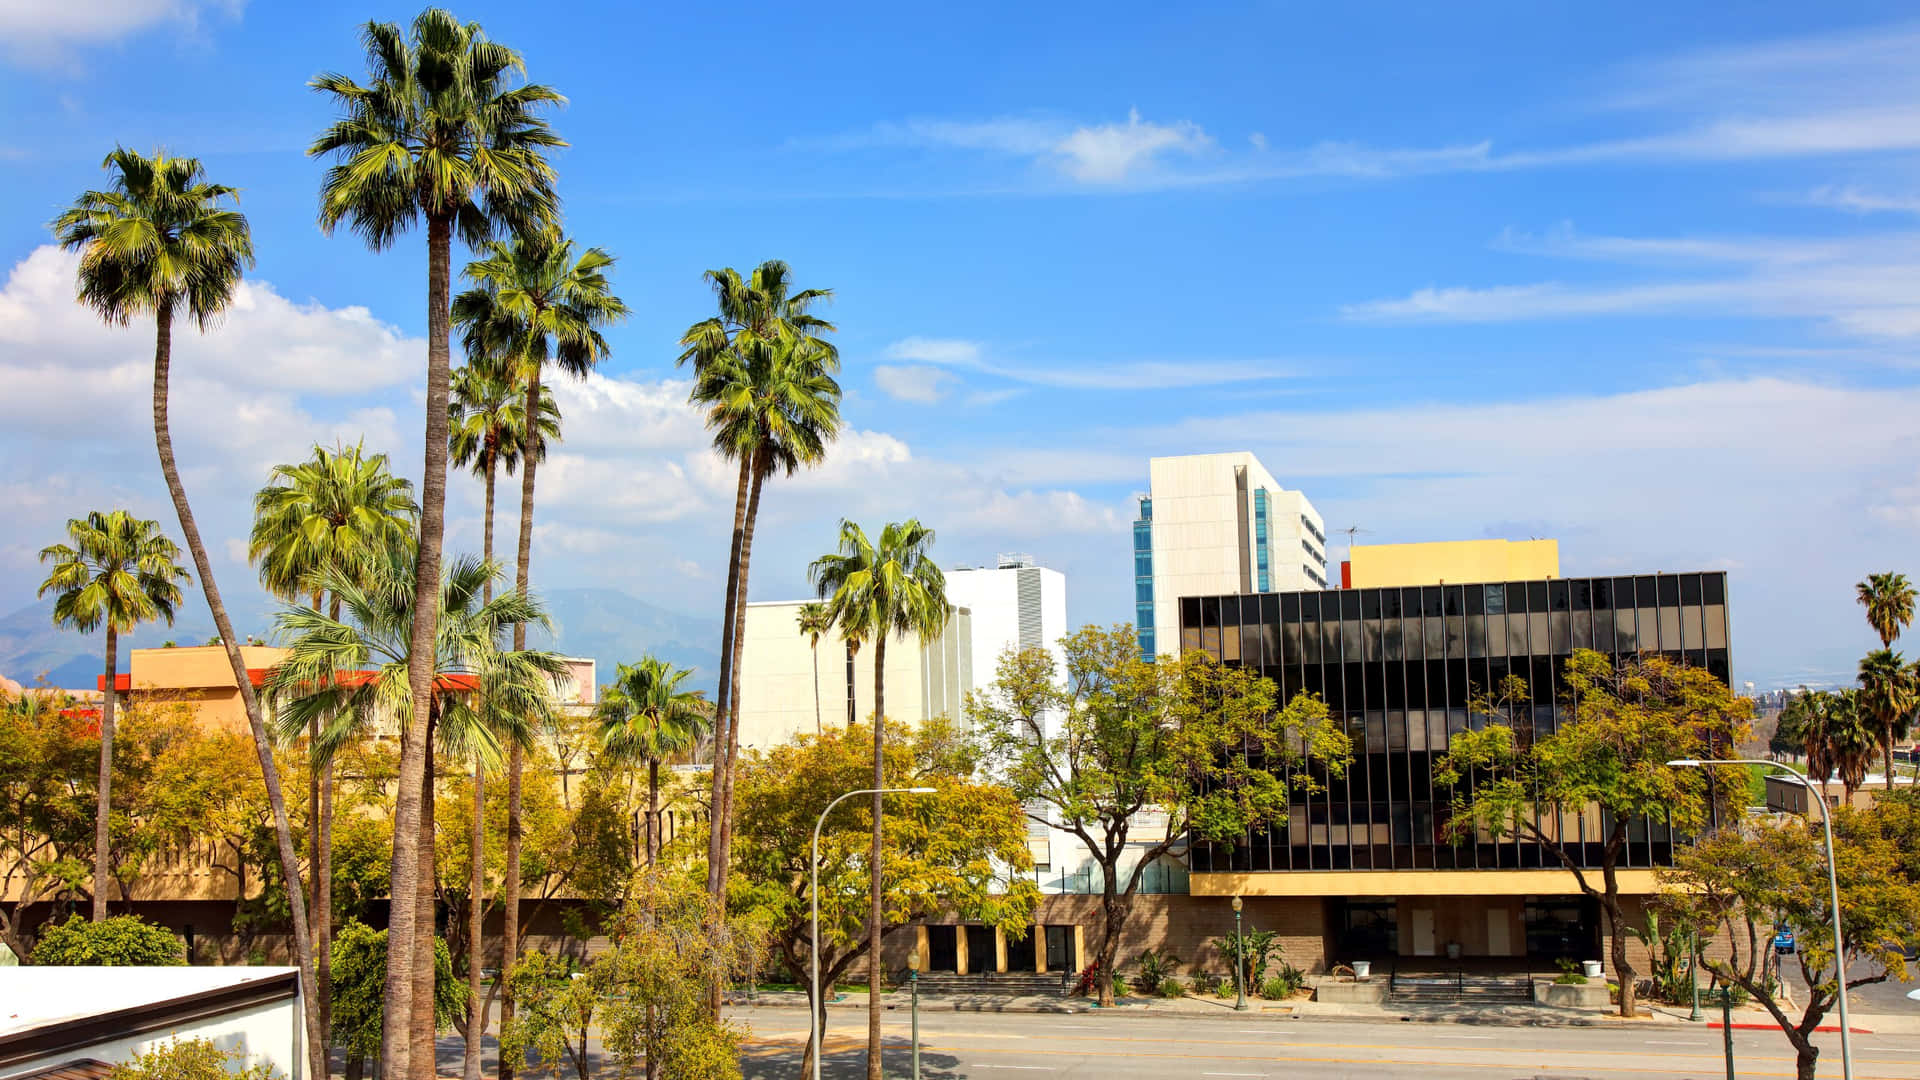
[{"x": 1638, "y": 278}]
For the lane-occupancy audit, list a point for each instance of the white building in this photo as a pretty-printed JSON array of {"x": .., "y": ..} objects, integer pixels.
[
  {"x": 1218, "y": 523},
  {"x": 787, "y": 686},
  {"x": 1015, "y": 605}
]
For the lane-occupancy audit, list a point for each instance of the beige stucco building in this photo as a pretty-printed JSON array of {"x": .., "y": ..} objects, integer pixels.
[{"x": 780, "y": 696}]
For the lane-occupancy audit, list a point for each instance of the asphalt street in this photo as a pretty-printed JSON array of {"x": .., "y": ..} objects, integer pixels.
[{"x": 1118, "y": 1046}]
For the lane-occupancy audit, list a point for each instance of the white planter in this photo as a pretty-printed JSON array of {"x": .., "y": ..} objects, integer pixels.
[
  {"x": 1362, "y": 969},
  {"x": 1590, "y": 968}
]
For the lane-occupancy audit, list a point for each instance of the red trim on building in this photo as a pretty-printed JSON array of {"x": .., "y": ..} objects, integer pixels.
[{"x": 1346, "y": 573}]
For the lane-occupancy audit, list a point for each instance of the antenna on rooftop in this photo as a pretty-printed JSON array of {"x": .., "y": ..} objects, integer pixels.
[{"x": 1351, "y": 531}]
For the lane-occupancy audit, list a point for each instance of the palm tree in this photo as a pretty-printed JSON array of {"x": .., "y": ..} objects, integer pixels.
[
  {"x": 647, "y": 717},
  {"x": 1888, "y": 697},
  {"x": 1888, "y": 599},
  {"x": 440, "y": 132},
  {"x": 118, "y": 572},
  {"x": 1840, "y": 739},
  {"x": 877, "y": 592},
  {"x": 341, "y": 507},
  {"x": 535, "y": 304},
  {"x": 763, "y": 373},
  {"x": 487, "y": 428},
  {"x": 488, "y": 431},
  {"x": 160, "y": 239},
  {"x": 814, "y": 621},
  {"x": 483, "y": 695}
]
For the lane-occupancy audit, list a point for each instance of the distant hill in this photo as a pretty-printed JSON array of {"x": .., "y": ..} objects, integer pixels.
[{"x": 609, "y": 626}]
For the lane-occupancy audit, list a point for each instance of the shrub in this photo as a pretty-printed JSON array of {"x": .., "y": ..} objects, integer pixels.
[
  {"x": 1172, "y": 987},
  {"x": 1285, "y": 984},
  {"x": 1155, "y": 969},
  {"x": 190, "y": 1059},
  {"x": 359, "y": 986},
  {"x": 122, "y": 941},
  {"x": 1570, "y": 973},
  {"x": 1206, "y": 983}
]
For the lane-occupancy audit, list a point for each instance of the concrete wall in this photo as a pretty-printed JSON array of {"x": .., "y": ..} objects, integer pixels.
[{"x": 1457, "y": 561}]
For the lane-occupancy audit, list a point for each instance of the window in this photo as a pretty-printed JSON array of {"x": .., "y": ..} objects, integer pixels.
[
  {"x": 1496, "y": 599},
  {"x": 1146, "y": 508},
  {"x": 1143, "y": 592}
]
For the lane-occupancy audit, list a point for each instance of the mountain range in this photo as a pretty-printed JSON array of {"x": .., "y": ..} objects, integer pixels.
[{"x": 605, "y": 624}]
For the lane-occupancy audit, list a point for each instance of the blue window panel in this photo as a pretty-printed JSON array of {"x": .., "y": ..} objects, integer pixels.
[
  {"x": 1143, "y": 591},
  {"x": 1143, "y": 564}
]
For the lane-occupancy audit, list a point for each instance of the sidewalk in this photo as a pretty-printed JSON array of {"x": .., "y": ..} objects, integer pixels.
[{"x": 1746, "y": 1018}]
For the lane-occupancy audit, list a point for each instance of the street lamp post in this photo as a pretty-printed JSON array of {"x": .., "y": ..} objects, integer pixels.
[
  {"x": 1693, "y": 973},
  {"x": 1239, "y": 961},
  {"x": 1833, "y": 890},
  {"x": 913, "y": 980},
  {"x": 814, "y": 1027}
]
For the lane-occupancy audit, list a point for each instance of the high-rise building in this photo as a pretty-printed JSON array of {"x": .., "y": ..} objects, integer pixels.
[
  {"x": 1015, "y": 605},
  {"x": 1218, "y": 523}
]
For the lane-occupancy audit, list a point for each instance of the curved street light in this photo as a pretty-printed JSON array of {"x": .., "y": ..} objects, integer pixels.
[
  {"x": 815, "y": 1029},
  {"x": 1833, "y": 889}
]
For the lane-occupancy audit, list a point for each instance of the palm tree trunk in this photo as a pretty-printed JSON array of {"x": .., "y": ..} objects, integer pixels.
[
  {"x": 516, "y": 757},
  {"x": 477, "y": 886},
  {"x": 103, "y": 801},
  {"x": 425, "y": 1024},
  {"x": 653, "y": 810},
  {"x": 723, "y": 708},
  {"x": 323, "y": 883},
  {"x": 760, "y": 472},
  {"x": 817, "y": 730},
  {"x": 874, "y": 911},
  {"x": 263, "y": 746}
]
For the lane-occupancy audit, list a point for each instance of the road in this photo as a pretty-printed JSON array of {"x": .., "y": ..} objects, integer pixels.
[{"x": 1118, "y": 1046}]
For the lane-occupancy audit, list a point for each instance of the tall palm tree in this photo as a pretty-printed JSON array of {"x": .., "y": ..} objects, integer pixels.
[
  {"x": 1888, "y": 697},
  {"x": 158, "y": 240},
  {"x": 1888, "y": 599},
  {"x": 443, "y": 132},
  {"x": 535, "y": 304},
  {"x": 340, "y": 507},
  {"x": 763, "y": 371},
  {"x": 646, "y": 717},
  {"x": 487, "y": 428},
  {"x": 879, "y": 591},
  {"x": 814, "y": 621},
  {"x": 488, "y": 431},
  {"x": 1840, "y": 739},
  {"x": 118, "y": 572}
]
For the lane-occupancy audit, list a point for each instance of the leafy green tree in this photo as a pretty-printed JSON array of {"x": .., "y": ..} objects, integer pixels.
[
  {"x": 442, "y": 132},
  {"x": 645, "y": 716},
  {"x": 1889, "y": 697},
  {"x": 1114, "y": 735},
  {"x": 46, "y": 808},
  {"x": 878, "y": 591},
  {"x": 341, "y": 507},
  {"x": 813, "y": 621},
  {"x": 1749, "y": 878},
  {"x": 190, "y": 1059},
  {"x": 535, "y": 305},
  {"x": 1618, "y": 729},
  {"x": 962, "y": 849},
  {"x": 122, "y": 941},
  {"x": 1790, "y": 728},
  {"x": 1888, "y": 599},
  {"x": 763, "y": 375},
  {"x": 359, "y": 973},
  {"x": 161, "y": 239},
  {"x": 645, "y": 993},
  {"x": 118, "y": 572}
]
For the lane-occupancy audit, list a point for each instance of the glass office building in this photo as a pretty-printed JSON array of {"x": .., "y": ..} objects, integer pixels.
[{"x": 1398, "y": 666}]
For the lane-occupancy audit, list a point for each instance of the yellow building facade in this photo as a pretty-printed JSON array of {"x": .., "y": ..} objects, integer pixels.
[{"x": 1375, "y": 565}]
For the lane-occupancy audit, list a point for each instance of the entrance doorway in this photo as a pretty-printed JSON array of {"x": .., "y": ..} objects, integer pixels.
[
  {"x": 1061, "y": 955},
  {"x": 1020, "y": 953},
  {"x": 943, "y": 951},
  {"x": 981, "y": 954}
]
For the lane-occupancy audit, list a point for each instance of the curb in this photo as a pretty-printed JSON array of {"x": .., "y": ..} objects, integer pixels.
[{"x": 1827, "y": 1028}]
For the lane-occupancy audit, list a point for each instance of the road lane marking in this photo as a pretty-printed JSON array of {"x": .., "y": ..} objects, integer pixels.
[
  {"x": 1666, "y": 1042},
  {"x": 1023, "y": 1068},
  {"x": 1487, "y": 1037},
  {"x": 1231, "y": 1074}
]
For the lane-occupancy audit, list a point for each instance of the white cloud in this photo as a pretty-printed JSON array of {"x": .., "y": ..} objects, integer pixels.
[
  {"x": 1116, "y": 375},
  {"x": 919, "y": 384},
  {"x": 1865, "y": 286},
  {"x": 38, "y": 32},
  {"x": 1109, "y": 153},
  {"x": 1857, "y": 201}
]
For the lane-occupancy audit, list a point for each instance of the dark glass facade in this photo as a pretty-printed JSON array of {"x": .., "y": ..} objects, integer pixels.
[{"x": 1398, "y": 666}]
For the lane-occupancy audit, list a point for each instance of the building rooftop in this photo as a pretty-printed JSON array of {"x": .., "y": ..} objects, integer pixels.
[{"x": 38, "y": 996}]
